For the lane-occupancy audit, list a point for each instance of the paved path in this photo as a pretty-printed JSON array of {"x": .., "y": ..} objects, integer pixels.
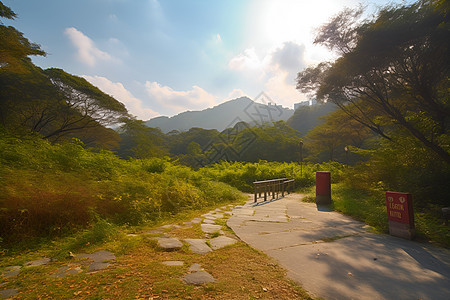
[{"x": 334, "y": 257}]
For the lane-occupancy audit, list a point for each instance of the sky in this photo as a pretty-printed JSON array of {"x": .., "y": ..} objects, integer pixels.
[{"x": 163, "y": 57}]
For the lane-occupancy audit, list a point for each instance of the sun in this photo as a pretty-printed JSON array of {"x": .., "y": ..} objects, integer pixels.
[{"x": 295, "y": 20}]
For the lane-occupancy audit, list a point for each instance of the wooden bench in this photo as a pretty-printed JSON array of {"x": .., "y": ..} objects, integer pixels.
[{"x": 273, "y": 186}]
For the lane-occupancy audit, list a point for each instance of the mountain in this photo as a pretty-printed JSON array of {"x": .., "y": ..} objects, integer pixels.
[
  {"x": 223, "y": 116},
  {"x": 307, "y": 117}
]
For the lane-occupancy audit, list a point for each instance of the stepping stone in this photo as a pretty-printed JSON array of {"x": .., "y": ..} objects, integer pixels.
[
  {"x": 196, "y": 220},
  {"x": 97, "y": 266},
  {"x": 187, "y": 225},
  {"x": 210, "y": 228},
  {"x": 38, "y": 262},
  {"x": 99, "y": 256},
  {"x": 66, "y": 270},
  {"x": 195, "y": 268},
  {"x": 154, "y": 231},
  {"x": 8, "y": 293},
  {"x": 169, "y": 243},
  {"x": 198, "y": 278},
  {"x": 12, "y": 271},
  {"x": 132, "y": 235},
  {"x": 168, "y": 226},
  {"x": 221, "y": 241},
  {"x": 173, "y": 263},
  {"x": 218, "y": 216},
  {"x": 208, "y": 221},
  {"x": 198, "y": 246}
]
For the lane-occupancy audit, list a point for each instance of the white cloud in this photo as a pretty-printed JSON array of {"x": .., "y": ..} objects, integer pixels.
[
  {"x": 87, "y": 52},
  {"x": 119, "y": 92},
  {"x": 290, "y": 57},
  {"x": 248, "y": 60},
  {"x": 275, "y": 71},
  {"x": 178, "y": 101}
]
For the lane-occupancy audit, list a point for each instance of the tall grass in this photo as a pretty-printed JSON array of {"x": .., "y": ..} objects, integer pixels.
[
  {"x": 242, "y": 175},
  {"x": 49, "y": 190},
  {"x": 369, "y": 206}
]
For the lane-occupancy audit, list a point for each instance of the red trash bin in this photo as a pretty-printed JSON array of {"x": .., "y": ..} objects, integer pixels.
[{"x": 323, "y": 188}]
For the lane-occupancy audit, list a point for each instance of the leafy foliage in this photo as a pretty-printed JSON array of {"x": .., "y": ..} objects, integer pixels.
[
  {"x": 57, "y": 105},
  {"x": 13, "y": 45},
  {"x": 242, "y": 174},
  {"x": 50, "y": 102},
  {"x": 392, "y": 72},
  {"x": 140, "y": 141},
  {"x": 328, "y": 141}
]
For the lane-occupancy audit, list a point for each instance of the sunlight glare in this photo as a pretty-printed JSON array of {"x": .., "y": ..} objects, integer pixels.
[{"x": 294, "y": 20}]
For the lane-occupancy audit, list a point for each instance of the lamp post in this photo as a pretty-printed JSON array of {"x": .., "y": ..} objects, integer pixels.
[
  {"x": 301, "y": 158},
  {"x": 346, "y": 155}
]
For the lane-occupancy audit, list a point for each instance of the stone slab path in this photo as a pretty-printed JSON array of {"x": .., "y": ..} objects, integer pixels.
[
  {"x": 334, "y": 257},
  {"x": 214, "y": 239}
]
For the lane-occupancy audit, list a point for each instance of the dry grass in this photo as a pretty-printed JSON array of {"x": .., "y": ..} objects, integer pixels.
[{"x": 240, "y": 272}]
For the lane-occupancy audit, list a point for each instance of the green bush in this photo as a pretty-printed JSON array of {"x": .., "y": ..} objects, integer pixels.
[
  {"x": 242, "y": 175},
  {"x": 368, "y": 206},
  {"x": 50, "y": 190}
]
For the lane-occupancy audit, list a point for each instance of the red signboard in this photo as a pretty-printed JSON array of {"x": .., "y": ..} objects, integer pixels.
[
  {"x": 323, "y": 183},
  {"x": 323, "y": 188},
  {"x": 399, "y": 208}
]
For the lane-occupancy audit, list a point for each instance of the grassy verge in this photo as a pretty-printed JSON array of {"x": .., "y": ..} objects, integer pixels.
[{"x": 369, "y": 206}]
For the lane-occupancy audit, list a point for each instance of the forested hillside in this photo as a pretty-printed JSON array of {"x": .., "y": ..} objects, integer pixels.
[
  {"x": 224, "y": 116},
  {"x": 306, "y": 118}
]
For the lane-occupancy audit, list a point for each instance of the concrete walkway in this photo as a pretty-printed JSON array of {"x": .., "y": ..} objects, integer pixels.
[{"x": 334, "y": 257}]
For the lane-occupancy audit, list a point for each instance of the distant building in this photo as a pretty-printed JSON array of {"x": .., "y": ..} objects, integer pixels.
[{"x": 305, "y": 103}]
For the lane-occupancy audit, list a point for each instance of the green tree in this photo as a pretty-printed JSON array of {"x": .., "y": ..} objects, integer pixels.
[
  {"x": 179, "y": 142},
  {"x": 54, "y": 103},
  {"x": 92, "y": 106},
  {"x": 392, "y": 71},
  {"x": 13, "y": 45},
  {"x": 326, "y": 142},
  {"x": 140, "y": 141},
  {"x": 278, "y": 142}
]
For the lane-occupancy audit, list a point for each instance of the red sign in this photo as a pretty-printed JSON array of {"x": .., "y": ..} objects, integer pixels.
[
  {"x": 323, "y": 183},
  {"x": 399, "y": 208}
]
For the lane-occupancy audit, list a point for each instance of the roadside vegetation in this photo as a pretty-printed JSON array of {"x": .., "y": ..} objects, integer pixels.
[{"x": 50, "y": 190}]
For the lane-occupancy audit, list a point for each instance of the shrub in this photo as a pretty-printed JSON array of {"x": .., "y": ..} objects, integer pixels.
[
  {"x": 242, "y": 175},
  {"x": 53, "y": 189}
]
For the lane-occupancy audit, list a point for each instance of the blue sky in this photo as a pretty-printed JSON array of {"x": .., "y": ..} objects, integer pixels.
[{"x": 162, "y": 57}]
